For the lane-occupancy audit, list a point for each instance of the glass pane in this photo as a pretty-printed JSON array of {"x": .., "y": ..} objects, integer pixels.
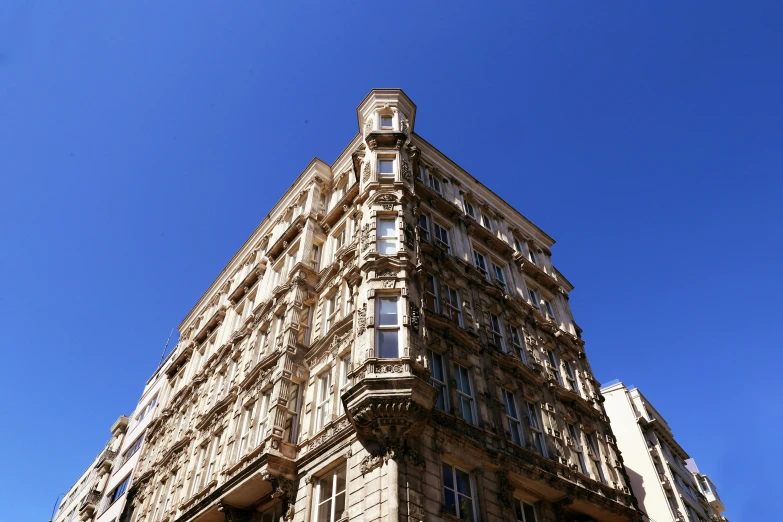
[
  {"x": 340, "y": 476},
  {"x": 436, "y": 362},
  {"x": 441, "y": 403},
  {"x": 448, "y": 479},
  {"x": 530, "y": 514},
  {"x": 518, "y": 510},
  {"x": 386, "y": 227},
  {"x": 325, "y": 510},
  {"x": 450, "y": 502},
  {"x": 386, "y": 166},
  {"x": 465, "y": 508},
  {"x": 339, "y": 506},
  {"x": 387, "y": 311},
  {"x": 386, "y": 121},
  {"x": 463, "y": 482},
  {"x": 388, "y": 344},
  {"x": 465, "y": 409},
  {"x": 387, "y": 247}
]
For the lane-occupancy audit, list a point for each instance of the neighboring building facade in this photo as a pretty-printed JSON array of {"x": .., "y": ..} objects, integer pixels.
[
  {"x": 128, "y": 451},
  {"x": 707, "y": 488},
  {"x": 83, "y": 499},
  {"x": 667, "y": 485},
  {"x": 391, "y": 343}
]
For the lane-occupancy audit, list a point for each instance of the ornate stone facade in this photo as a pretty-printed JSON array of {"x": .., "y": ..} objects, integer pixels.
[{"x": 391, "y": 343}]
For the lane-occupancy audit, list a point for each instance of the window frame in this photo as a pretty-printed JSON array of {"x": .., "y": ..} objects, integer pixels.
[
  {"x": 451, "y": 294},
  {"x": 578, "y": 449},
  {"x": 464, "y": 397},
  {"x": 333, "y": 495},
  {"x": 323, "y": 399},
  {"x": 392, "y": 240},
  {"x": 570, "y": 375},
  {"x": 519, "y": 508},
  {"x": 386, "y": 177},
  {"x": 445, "y": 231},
  {"x": 536, "y": 426},
  {"x": 436, "y": 359},
  {"x": 499, "y": 270},
  {"x": 397, "y": 327},
  {"x": 424, "y": 231},
  {"x": 344, "y": 368},
  {"x": 512, "y": 417},
  {"x": 452, "y": 471},
  {"x": 535, "y": 298},
  {"x": 383, "y": 117},
  {"x": 515, "y": 338},
  {"x": 431, "y": 301},
  {"x": 554, "y": 364},
  {"x": 496, "y": 329},
  {"x": 477, "y": 255}
]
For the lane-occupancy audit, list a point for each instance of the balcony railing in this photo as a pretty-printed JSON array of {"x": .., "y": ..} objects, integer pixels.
[
  {"x": 90, "y": 501},
  {"x": 106, "y": 458}
]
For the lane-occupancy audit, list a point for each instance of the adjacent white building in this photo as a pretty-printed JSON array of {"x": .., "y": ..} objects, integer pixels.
[{"x": 665, "y": 480}]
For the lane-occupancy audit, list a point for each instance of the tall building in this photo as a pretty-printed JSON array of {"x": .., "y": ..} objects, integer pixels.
[
  {"x": 82, "y": 499},
  {"x": 392, "y": 342},
  {"x": 665, "y": 480}
]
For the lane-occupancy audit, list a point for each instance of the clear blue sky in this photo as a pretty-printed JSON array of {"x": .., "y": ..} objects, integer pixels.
[{"x": 141, "y": 142}]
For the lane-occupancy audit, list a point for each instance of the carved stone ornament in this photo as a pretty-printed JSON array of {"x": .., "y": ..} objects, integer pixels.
[
  {"x": 366, "y": 171},
  {"x": 366, "y": 230},
  {"x": 368, "y": 126},
  {"x": 361, "y": 320},
  {"x": 414, "y": 317},
  {"x": 405, "y": 170}
]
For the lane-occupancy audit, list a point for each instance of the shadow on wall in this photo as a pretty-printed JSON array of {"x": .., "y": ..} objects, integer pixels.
[{"x": 637, "y": 486}]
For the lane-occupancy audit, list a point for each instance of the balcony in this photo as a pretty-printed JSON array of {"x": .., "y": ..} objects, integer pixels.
[
  {"x": 665, "y": 481},
  {"x": 106, "y": 460},
  {"x": 89, "y": 504}
]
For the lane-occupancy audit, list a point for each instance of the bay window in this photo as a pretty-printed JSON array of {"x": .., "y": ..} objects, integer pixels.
[
  {"x": 263, "y": 414},
  {"x": 345, "y": 369},
  {"x": 386, "y": 169},
  {"x": 293, "y": 405}
]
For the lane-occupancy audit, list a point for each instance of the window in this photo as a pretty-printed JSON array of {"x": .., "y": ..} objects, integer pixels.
[
  {"x": 549, "y": 311},
  {"x": 518, "y": 245},
  {"x": 458, "y": 493},
  {"x": 330, "y": 496},
  {"x": 133, "y": 449},
  {"x": 532, "y": 255},
  {"x": 592, "y": 446},
  {"x": 71, "y": 515},
  {"x": 535, "y": 428},
  {"x": 386, "y": 169},
  {"x": 469, "y": 210},
  {"x": 333, "y": 306},
  {"x": 525, "y": 512},
  {"x": 571, "y": 376},
  {"x": 324, "y": 393},
  {"x": 386, "y": 121},
  {"x": 496, "y": 337},
  {"x": 514, "y": 426},
  {"x": 198, "y": 475},
  {"x": 576, "y": 446},
  {"x": 118, "y": 491},
  {"x": 272, "y": 514},
  {"x": 533, "y": 299},
  {"x": 213, "y": 457},
  {"x": 345, "y": 369},
  {"x": 263, "y": 414},
  {"x": 248, "y": 417},
  {"x": 324, "y": 201},
  {"x": 293, "y": 405},
  {"x": 465, "y": 394},
  {"x": 315, "y": 257},
  {"x": 481, "y": 261},
  {"x": 486, "y": 222},
  {"x": 516, "y": 342},
  {"x": 442, "y": 237},
  {"x": 554, "y": 366},
  {"x": 438, "y": 379},
  {"x": 387, "y": 236},
  {"x": 435, "y": 184},
  {"x": 424, "y": 227},
  {"x": 422, "y": 174},
  {"x": 430, "y": 294},
  {"x": 388, "y": 346},
  {"x": 452, "y": 306},
  {"x": 499, "y": 275}
]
